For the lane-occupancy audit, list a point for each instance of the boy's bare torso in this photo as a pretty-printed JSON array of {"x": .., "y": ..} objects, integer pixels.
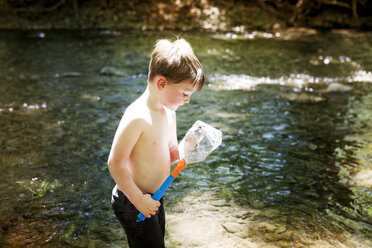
[{"x": 149, "y": 162}]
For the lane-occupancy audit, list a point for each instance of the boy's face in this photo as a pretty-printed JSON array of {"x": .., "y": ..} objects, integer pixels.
[{"x": 177, "y": 94}]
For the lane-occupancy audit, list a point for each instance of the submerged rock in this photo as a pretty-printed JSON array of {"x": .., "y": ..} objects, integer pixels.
[
  {"x": 220, "y": 203},
  {"x": 273, "y": 236},
  {"x": 270, "y": 213},
  {"x": 303, "y": 97},
  {"x": 337, "y": 87},
  {"x": 266, "y": 227},
  {"x": 297, "y": 32},
  {"x": 283, "y": 243},
  {"x": 193, "y": 231},
  {"x": 280, "y": 229},
  {"x": 363, "y": 178},
  {"x": 71, "y": 74},
  {"x": 232, "y": 227},
  {"x": 111, "y": 71},
  {"x": 205, "y": 225}
]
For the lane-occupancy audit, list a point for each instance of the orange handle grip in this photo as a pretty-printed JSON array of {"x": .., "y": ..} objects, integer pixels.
[{"x": 181, "y": 164}]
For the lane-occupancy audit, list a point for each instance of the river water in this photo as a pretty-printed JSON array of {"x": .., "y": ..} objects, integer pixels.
[{"x": 289, "y": 144}]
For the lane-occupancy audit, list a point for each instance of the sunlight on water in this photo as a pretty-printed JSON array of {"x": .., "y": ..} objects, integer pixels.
[{"x": 246, "y": 82}]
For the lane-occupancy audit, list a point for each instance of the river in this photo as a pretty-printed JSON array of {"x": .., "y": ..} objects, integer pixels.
[{"x": 292, "y": 144}]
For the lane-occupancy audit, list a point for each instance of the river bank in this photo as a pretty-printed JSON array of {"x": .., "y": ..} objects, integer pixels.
[{"x": 222, "y": 16}]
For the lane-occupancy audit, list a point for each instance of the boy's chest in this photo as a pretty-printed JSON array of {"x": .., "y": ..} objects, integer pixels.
[{"x": 158, "y": 131}]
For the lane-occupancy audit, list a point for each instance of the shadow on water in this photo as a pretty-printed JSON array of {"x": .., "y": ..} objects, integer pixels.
[{"x": 58, "y": 115}]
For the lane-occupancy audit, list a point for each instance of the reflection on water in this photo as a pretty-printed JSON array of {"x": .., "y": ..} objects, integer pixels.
[{"x": 289, "y": 145}]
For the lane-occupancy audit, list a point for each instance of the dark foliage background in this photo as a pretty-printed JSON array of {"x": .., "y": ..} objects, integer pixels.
[{"x": 214, "y": 15}]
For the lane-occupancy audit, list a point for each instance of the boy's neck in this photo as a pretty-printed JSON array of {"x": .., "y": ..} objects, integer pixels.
[{"x": 152, "y": 99}]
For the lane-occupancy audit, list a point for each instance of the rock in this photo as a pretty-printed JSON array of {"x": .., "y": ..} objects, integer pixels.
[
  {"x": 280, "y": 230},
  {"x": 277, "y": 26},
  {"x": 303, "y": 97},
  {"x": 220, "y": 203},
  {"x": 273, "y": 236},
  {"x": 312, "y": 147},
  {"x": 22, "y": 76},
  {"x": 287, "y": 235},
  {"x": 363, "y": 178},
  {"x": 270, "y": 213},
  {"x": 71, "y": 74},
  {"x": 302, "y": 30},
  {"x": 337, "y": 87},
  {"x": 192, "y": 231},
  {"x": 248, "y": 244},
  {"x": 283, "y": 243},
  {"x": 258, "y": 205},
  {"x": 243, "y": 214},
  {"x": 111, "y": 71},
  {"x": 266, "y": 227},
  {"x": 346, "y": 32},
  {"x": 232, "y": 227},
  {"x": 297, "y": 32}
]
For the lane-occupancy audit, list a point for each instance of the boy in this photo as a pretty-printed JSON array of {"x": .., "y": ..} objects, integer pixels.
[{"x": 145, "y": 143}]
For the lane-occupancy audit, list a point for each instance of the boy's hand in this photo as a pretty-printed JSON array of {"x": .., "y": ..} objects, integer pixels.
[
  {"x": 147, "y": 206},
  {"x": 190, "y": 143}
]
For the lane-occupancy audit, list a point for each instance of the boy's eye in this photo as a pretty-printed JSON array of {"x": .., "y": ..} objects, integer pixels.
[{"x": 185, "y": 95}]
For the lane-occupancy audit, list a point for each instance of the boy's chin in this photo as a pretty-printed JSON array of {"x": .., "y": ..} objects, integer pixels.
[{"x": 174, "y": 108}]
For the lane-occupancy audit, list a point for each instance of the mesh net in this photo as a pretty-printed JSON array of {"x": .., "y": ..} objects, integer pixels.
[{"x": 200, "y": 140}]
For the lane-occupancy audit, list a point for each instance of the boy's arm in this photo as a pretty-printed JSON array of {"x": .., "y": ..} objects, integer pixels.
[
  {"x": 174, "y": 154},
  {"x": 173, "y": 144},
  {"x": 126, "y": 137}
]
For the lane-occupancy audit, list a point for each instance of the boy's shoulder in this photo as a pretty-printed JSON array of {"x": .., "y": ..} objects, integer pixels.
[
  {"x": 136, "y": 114},
  {"x": 139, "y": 113},
  {"x": 135, "y": 107},
  {"x": 135, "y": 110}
]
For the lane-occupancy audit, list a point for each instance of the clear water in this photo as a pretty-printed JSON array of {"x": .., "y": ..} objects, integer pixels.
[{"x": 287, "y": 144}]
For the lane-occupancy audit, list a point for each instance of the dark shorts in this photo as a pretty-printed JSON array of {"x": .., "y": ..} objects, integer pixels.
[{"x": 148, "y": 233}]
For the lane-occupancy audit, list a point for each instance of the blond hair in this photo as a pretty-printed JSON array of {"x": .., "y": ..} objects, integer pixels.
[{"x": 177, "y": 62}]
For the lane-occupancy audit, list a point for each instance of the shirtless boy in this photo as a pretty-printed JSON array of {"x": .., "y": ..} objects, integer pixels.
[{"x": 145, "y": 144}]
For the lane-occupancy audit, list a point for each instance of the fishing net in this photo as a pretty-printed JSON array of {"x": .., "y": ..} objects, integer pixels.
[{"x": 200, "y": 140}]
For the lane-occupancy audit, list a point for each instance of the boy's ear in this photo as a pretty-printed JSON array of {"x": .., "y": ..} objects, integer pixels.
[{"x": 162, "y": 81}]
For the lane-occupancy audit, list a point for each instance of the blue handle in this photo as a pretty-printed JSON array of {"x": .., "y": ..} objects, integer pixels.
[{"x": 158, "y": 194}]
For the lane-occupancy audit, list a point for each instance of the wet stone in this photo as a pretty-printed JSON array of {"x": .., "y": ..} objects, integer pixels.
[
  {"x": 283, "y": 243},
  {"x": 303, "y": 97},
  {"x": 270, "y": 213},
  {"x": 280, "y": 230},
  {"x": 337, "y": 87},
  {"x": 232, "y": 227},
  {"x": 266, "y": 227},
  {"x": 71, "y": 74},
  {"x": 241, "y": 215},
  {"x": 312, "y": 147},
  {"x": 272, "y": 236},
  {"x": 258, "y": 205},
  {"x": 220, "y": 203},
  {"x": 111, "y": 71}
]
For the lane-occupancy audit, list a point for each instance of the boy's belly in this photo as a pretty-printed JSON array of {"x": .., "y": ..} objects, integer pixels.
[
  {"x": 149, "y": 175},
  {"x": 149, "y": 161}
]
